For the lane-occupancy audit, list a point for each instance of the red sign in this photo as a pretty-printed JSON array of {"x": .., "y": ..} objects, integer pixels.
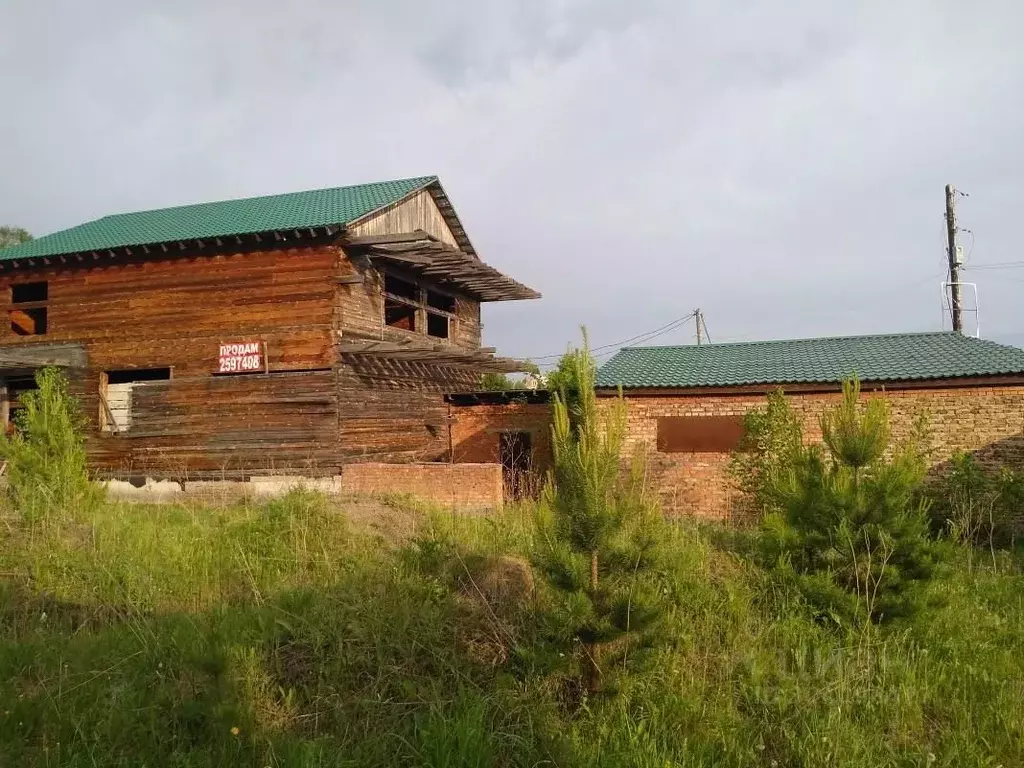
[{"x": 243, "y": 357}]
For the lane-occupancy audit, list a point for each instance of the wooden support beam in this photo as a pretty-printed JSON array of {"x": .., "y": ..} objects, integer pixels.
[{"x": 401, "y": 237}]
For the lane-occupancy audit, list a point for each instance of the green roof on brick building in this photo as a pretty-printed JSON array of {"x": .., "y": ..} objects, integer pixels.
[
  {"x": 883, "y": 358},
  {"x": 338, "y": 206}
]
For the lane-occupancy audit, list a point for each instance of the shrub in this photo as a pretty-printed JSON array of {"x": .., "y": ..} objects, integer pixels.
[
  {"x": 772, "y": 440},
  {"x": 597, "y": 530},
  {"x": 975, "y": 506},
  {"x": 852, "y": 533},
  {"x": 45, "y": 455}
]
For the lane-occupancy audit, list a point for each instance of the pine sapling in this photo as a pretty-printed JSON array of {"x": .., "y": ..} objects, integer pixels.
[{"x": 597, "y": 528}]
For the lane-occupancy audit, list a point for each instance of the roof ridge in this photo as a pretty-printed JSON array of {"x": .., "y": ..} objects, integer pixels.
[
  {"x": 764, "y": 342},
  {"x": 426, "y": 181}
]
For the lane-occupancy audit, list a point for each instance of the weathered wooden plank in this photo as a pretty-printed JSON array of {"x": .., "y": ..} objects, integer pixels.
[{"x": 417, "y": 212}]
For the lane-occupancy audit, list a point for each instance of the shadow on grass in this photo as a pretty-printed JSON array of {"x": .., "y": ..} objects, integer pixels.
[{"x": 366, "y": 672}]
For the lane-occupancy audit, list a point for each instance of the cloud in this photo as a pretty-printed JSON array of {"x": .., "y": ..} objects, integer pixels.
[{"x": 779, "y": 166}]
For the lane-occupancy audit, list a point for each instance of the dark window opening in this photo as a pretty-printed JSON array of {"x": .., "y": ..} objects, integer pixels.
[
  {"x": 16, "y": 387},
  {"x": 437, "y": 325},
  {"x": 699, "y": 434},
  {"x": 26, "y": 293},
  {"x": 396, "y": 286},
  {"x": 29, "y": 321},
  {"x": 515, "y": 450},
  {"x": 131, "y": 375},
  {"x": 399, "y": 315},
  {"x": 440, "y": 301},
  {"x": 18, "y": 384}
]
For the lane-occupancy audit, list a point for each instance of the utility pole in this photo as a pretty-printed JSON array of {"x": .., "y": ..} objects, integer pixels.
[
  {"x": 956, "y": 308},
  {"x": 697, "y": 318}
]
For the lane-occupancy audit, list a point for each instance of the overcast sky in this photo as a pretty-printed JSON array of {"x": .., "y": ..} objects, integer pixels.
[{"x": 780, "y": 165}]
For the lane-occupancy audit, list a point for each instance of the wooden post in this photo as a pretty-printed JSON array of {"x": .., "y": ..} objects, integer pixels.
[{"x": 956, "y": 309}]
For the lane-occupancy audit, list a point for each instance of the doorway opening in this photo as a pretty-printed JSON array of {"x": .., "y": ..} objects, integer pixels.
[{"x": 515, "y": 451}]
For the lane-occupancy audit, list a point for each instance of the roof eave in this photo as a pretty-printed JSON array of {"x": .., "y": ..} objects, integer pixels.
[
  {"x": 691, "y": 390},
  {"x": 423, "y": 255},
  {"x": 317, "y": 235}
]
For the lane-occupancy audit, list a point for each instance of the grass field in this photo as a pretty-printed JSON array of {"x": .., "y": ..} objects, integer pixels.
[{"x": 309, "y": 632}]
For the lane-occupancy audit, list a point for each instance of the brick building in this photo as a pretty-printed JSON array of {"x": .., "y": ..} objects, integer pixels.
[{"x": 687, "y": 403}]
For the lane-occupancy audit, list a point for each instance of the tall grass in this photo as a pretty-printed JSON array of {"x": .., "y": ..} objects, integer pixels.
[{"x": 281, "y": 634}]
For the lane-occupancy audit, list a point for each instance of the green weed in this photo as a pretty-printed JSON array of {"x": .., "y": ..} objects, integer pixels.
[{"x": 279, "y": 634}]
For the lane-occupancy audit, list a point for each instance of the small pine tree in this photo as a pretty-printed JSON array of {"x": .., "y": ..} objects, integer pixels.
[
  {"x": 772, "y": 439},
  {"x": 853, "y": 527},
  {"x": 597, "y": 529},
  {"x": 45, "y": 455}
]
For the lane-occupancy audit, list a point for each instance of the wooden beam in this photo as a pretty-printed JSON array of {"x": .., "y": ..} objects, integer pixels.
[{"x": 401, "y": 237}]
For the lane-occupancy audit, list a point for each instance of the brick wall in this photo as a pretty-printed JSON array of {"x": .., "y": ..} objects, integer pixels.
[
  {"x": 986, "y": 421},
  {"x": 476, "y": 431},
  {"x": 465, "y": 486}
]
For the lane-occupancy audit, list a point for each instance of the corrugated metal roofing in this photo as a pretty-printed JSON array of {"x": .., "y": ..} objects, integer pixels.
[
  {"x": 296, "y": 210},
  {"x": 890, "y": 357}
]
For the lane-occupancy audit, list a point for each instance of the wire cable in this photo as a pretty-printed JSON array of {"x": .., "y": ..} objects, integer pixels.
[
  {"x": 1002, "y": 265},
  {"x": 646, "y": 336}
]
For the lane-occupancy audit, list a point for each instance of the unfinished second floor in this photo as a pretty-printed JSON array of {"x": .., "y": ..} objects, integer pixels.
[{"x": 307, "y": 276}]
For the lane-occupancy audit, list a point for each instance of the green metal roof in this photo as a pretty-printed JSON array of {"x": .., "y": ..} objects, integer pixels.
[
  {"x": 296, "y": 210},
  {"x": 888, "y": 358}
]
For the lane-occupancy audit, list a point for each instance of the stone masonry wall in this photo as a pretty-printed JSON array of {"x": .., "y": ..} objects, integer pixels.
[{"x": 986, "y": 421}]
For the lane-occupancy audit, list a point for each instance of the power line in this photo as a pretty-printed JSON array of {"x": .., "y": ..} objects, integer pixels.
[
  {"x": 1002, "y": 265},
  {"x": 646, "y": 336}
]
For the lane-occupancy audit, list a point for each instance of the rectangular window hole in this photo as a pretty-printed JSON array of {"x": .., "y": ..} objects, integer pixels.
[
  {"x": 440, "y": 301},
  {"x": 396, "y": 286},
  {"x": 399, "y": 315},
  {"x": 28, "y": 321},
  {"x": 131, "y": 375},
  {"x": 26, "y": 293},
  {"x": 117, "y": 395},
  {"x": 437, "y": 326}
]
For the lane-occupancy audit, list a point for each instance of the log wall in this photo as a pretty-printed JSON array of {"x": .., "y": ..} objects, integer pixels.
[
  {"x": 311, "y": 413},
  {"x": 174, "y": 312},
  {"x": 395, "y": 411}
]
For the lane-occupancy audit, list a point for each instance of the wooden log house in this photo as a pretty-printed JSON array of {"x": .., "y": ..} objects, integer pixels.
[{"x": 285, "y": 334}]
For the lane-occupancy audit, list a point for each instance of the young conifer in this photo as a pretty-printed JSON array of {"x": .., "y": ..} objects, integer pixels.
[
  {"x": 853, "y": 528},
  {"x": 598, "y": 529}
]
